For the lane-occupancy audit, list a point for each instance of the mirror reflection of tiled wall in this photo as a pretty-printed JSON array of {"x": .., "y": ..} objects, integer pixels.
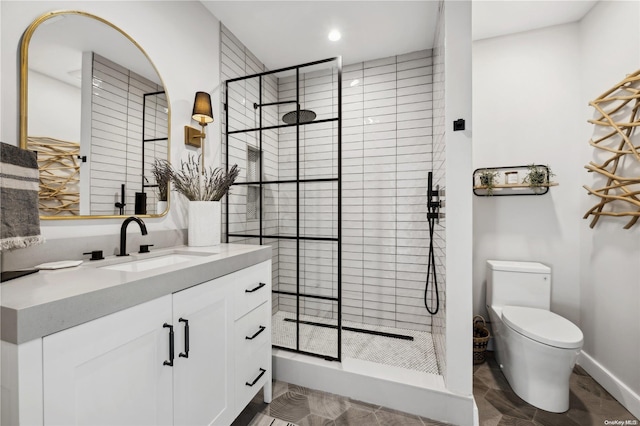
[{"x": 116, "y": 137}]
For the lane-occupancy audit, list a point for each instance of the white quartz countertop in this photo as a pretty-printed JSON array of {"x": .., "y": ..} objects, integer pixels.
[{"x": 49, "y": 301}]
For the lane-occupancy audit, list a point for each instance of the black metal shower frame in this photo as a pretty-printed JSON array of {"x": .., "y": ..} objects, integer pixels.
[
  {"x": 144, "y": 140},
  {"x": 260, "y": 183}
]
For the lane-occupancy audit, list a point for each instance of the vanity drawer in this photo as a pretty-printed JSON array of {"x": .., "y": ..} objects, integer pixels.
[
  {"x": 253, "y": 330},
  {"x": 252, "y": 287},
  {"x": 252, "y": 372}
]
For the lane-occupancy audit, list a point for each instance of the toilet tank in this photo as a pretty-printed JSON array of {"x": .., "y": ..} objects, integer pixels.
[{"x": 518, "y": 284}]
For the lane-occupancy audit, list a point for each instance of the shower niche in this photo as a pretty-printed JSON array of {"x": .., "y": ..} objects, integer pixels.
[{"x": 283, "y": 129}]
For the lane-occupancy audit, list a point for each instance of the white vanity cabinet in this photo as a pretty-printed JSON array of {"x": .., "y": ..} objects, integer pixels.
[
  {"x": 122, "y": 369},
  {"x": 252, "y": 334},
  {"x": 110, "y": 370},
  {"x": 202, "y": 373}
]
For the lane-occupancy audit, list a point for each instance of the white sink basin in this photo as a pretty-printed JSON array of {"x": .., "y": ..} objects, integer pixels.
[{"x": 169, "y": 259}]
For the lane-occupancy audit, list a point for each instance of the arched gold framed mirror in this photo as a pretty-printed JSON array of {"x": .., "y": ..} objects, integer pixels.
[{"x": 95, "y": 108}]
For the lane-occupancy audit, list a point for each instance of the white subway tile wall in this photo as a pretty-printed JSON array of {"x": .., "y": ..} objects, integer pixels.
[
  {"x": 387, "y": 151},
  {"x": 116, "y": 136},
  {"x": 318, "y": 150},
  {"x": 244, "y": 206}
]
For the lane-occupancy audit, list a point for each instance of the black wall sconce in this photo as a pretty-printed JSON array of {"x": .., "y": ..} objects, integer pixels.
[{"x": 203, "y": 114}]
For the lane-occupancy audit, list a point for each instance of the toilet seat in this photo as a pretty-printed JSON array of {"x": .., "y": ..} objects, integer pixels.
[{"x": 543, "y": 326}]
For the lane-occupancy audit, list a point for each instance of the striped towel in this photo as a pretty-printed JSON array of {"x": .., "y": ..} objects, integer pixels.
[{"x": 19, "y": 185}]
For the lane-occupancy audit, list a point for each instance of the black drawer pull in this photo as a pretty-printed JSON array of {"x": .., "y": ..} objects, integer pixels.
[
  {"x": 262, "y": 327},
  {"x": 262, "y": 371},
  {"x": 185, "y": 354},
  {"x": 170, "y": 327},
  {"x": 255, "y": 289}
]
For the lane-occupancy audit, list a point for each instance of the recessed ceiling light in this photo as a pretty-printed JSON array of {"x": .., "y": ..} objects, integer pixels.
[
  {"x": 355, "y": 82},
  {"x": 334, "y": 35}
]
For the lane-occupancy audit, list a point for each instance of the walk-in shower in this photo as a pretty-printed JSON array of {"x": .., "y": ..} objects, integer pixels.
[
  {"x": 395, "y": 129},
  {"x": 341, "y": 196}
]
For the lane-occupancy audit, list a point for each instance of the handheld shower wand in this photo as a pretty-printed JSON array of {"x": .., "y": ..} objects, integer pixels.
[{"x": 433, "y": 213}]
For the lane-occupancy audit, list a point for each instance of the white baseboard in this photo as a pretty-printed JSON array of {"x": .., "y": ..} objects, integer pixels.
[
  {"x": 616, "y": 387},
  {"x": 476, "y": 414}
]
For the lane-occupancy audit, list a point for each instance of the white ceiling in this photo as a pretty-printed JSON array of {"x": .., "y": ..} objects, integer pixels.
[
  {"x": 284, "y": 33},
  {"x": 497, "y": 18}
]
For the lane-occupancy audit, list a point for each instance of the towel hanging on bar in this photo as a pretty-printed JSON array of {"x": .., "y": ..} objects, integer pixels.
[{"x": 19, "y": 186}]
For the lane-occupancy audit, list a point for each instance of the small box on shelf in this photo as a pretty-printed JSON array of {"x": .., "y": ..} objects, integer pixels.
[{"x": 511, "y": 177}]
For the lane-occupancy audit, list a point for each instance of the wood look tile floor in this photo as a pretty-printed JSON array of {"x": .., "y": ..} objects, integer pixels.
[
  {"x": 498, "y": 405},
  {"x": 308, "y": 407}
]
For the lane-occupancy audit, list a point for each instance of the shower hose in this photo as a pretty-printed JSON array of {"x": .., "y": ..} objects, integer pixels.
[{"x": 432, "y": 214}]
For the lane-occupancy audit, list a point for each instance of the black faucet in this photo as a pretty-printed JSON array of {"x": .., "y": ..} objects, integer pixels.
[{"x": 123, "y": 233}]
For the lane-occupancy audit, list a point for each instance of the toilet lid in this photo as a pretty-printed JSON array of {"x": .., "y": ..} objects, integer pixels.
[{"x": 543, "y": 326}]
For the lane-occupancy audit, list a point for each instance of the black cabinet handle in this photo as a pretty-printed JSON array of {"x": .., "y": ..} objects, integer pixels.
[
  {"x": 262, "y": 327},
  {"x": 170, "y": 327},
  {"x": 262, "y": 371},
  {"x": 255, "y": 289},
  {"x": 185, "y": 354}
]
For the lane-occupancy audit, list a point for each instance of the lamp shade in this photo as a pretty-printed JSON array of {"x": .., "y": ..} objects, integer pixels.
[{"x": 202, "y": 111}]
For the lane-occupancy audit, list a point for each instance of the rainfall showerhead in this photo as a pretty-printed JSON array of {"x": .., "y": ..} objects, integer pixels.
[{"x": 306, "y": 116}]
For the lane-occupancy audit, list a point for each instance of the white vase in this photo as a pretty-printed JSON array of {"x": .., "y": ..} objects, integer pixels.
[
  {"x": 204, "y": 223},
  {"x": 161, "y": 207}
]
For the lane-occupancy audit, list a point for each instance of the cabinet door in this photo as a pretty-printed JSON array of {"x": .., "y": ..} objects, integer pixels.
[
  {"x": 110, "y": 371},
  {"x": 202, "y": 381}
]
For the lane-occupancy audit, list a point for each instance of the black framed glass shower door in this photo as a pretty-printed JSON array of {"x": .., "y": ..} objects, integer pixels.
[{"x": 284, "y": 127}]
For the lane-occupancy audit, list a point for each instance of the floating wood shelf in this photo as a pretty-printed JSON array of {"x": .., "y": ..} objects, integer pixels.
[{"x": 514, "y": 180}]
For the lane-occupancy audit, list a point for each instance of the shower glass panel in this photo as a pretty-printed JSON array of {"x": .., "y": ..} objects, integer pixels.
[
  {"x": 359, "y": 261},
  {"x": 282, "y": 128}
]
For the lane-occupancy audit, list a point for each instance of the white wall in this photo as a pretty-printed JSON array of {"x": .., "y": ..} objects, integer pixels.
[
  {"x": 56, "y": 112},
  {"x": 182, "y": 62},
  {"x": 438, "y": 159},
  {"x": 526, "y": 110},
  {"x": 610, "y": 256},
  {"x": 530, "y": 105},
  {"x": 459, "y": 210}
]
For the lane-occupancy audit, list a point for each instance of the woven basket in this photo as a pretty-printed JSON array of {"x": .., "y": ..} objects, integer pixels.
[{"x": 480, "y": 339}]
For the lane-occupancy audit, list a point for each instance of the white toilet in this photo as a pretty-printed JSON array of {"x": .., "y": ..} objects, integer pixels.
[{"x": 536, "y": 349}]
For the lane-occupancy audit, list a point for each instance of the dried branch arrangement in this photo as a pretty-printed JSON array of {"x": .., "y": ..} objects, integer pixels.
[
  {"x": 59, "y": 175},
  {"x": 210, "y": 185},
  {"x": 618, "y": 143}
]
